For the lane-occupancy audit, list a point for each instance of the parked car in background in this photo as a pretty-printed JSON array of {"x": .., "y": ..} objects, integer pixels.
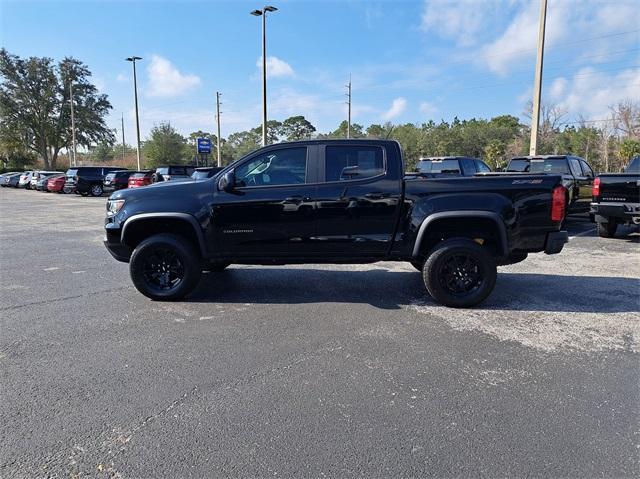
[
  {"x": 11, "y": 179},
  {"x": 577, "y": 176},
  {"x": 8, "y": 173},
  {"x": 172, "y": 172},
  {"x": 140, "y": 178},
  {"x": 616, "y": 199},
  {"x": 116, "y": 180},
  {"x": 39, "y": 174},
  {"x": 206, "y": 172},
  {"x": 434, "y": 167},
  {"x": 88, "y": 180},
  {"x": 43, "y": 182},
  {"x": 25, "y": 180},
  {"x": 55, "y": 184}
]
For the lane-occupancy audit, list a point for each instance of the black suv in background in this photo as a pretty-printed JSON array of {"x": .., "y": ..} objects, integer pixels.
[
  {"x": 577, "y": 176},
  {"x": 434, "y": 167},
  {"x": 116, "y": 180},
  {"x": 87, "y": 180}
]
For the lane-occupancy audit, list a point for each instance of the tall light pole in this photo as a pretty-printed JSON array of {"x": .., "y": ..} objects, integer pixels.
[
  {"x": 218, "y": 122},
  {"x": 537, "y": 87},
  {"x": 73, "y": 124},
  {"x": 133, "y": 59},
  {"x": 123, "y": 144},
  {"x": 263, "y": 13}
]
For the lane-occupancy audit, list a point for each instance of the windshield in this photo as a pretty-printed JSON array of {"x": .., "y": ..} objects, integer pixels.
[
  {"x": 539, "y": 165},
  {"x": 72, "y": 172},
  {"x": 439, "y": 166},
  {"x": 634, "y": 166},
  {"x": 200, "y": 175}
]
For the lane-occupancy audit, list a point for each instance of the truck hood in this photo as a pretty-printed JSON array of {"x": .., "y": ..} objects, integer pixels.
[{"x": 165, "y": 189}]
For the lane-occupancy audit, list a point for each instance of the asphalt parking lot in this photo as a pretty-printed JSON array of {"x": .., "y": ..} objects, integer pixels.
[{"x": 311, "y": 370}]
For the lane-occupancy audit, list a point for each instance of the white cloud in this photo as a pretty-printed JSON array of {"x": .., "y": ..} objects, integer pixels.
[
  {"x": 427, "y": 108},
  {"x": 558, "y": 87},
  {"x": 398, "y": 107},
  {"x": 165, "y": 79},
  {"x": 591, "y": 93},
  {"x": 276, "y": 67},
  {"x": 461, "y": 20},
  {"x": 122, "y": 78}
]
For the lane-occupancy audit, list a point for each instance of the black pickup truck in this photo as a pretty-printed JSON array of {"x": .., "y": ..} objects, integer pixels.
[
  {"x": 335, "y": 201},
  {"x": 616, "y": 199},
  {"x": 577, "y": 176}
]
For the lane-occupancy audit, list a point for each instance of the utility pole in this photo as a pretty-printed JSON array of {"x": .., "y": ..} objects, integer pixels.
[
  {"x": 133, "y": 59},
  {"x": 537, "y": 87},
  {"x": 349, "y": 108},
  {"x": 263, "y": 13},
  {"x": 123, "y": 147},
  {"x": 218, "y": 122},
  {"x": 73, "y": 124}
]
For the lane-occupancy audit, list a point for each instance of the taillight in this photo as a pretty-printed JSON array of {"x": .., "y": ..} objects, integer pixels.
[
  {"x": 596, "y": 188},
  {"x": 558, "y": 200}
]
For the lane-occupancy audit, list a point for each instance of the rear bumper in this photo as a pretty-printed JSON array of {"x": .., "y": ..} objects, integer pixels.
[
  {"x": 555, "y": 242},
  {"x": 625, "y": 212}
]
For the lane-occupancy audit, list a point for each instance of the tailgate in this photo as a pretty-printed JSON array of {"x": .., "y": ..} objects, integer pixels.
[{"x": 620, "y": 188}]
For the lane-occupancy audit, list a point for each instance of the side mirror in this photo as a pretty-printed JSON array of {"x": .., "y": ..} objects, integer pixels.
[
  {"x": 227, "y": 182},
  {"x": 348, "y": 172}
]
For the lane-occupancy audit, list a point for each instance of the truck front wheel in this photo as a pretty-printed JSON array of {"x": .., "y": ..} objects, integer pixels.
[
  {"x": 459, "y": 273},
  {"x": 165, "y": 267}
]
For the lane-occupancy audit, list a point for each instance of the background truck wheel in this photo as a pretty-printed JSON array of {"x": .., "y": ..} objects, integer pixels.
[
  {"x": 215, "y": 266},
  {"x": 96, "y": 190},
  {"x": 165, "y": 267},
  {"x": 607, "y": 230},
  {"x": 459, "y": 273},
  {"x": 417, "y": 264}
]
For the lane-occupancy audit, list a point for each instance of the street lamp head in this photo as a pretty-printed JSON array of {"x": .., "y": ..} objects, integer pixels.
[
  {"x": 270, "y": 8},
  {"x": 256, "y": 13},
  {"x": 133, "y": 59}
]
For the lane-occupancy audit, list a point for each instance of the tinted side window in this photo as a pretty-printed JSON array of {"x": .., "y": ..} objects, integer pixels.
[
  {"x": 586, "y": 169},
  {"x": 482, "y": 167},
  {"x": 468, "y": 166},
  {"x": 352, "y": 162},
  {"x": 575, "y": 167},
  {"x": 287, "y": 166}
]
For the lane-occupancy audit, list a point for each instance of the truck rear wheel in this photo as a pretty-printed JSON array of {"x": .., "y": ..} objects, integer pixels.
[
  {"x": 165, "y": 267},
  {"x": 459, "y": 273},
  {"x": 608, "y": 229}
]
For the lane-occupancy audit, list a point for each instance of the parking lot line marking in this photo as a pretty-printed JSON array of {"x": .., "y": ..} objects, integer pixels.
[
  {"x": 583, "y": 233},
  {"x": 77, "y": 272},
  {"x": 51, "y": 269}
]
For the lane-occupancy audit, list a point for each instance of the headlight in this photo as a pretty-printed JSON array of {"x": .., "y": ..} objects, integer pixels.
[{"x": 113, "y": 206}]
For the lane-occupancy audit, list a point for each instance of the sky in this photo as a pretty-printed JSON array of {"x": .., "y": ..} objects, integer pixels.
[{"x": 409, "y": 61}]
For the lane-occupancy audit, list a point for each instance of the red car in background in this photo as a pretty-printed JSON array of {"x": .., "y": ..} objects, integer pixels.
[
  {"x": 56, "y": 184},
  {"x": 140, "y": 178}
]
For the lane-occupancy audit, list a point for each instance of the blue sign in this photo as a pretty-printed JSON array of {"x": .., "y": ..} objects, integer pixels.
[{"x": 204, "y": 145}]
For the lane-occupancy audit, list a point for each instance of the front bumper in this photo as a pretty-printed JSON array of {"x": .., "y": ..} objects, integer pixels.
[
  {"x": 555, "y": 242},
  {"x": 112, "y": 242},
  {"x": 625, "y": 212}
]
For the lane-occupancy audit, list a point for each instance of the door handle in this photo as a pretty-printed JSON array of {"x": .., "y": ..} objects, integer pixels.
[{"x": 375, "y": 196}]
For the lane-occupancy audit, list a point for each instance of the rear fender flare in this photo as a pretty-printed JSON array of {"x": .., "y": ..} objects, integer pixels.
[{"x": 502, "y": 230}]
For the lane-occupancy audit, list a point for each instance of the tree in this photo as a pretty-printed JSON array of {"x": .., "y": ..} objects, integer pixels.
[
  {"x": 297, "y": 128},
  {"x": 165, "y": 146},
  {"x": 274, "y": 130},
  {"x": 35, "y": 104},
  {"x": 103, "y": 152},
  {"x": 341, "y": 131},
  {"x": 494, "y": 154},
  {"x": 244, "y": 142},
  {"x": 628, "y": 149}
]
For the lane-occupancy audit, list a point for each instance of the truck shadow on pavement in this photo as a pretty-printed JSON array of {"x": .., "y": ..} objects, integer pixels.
[{"x": 388, "y": 289}]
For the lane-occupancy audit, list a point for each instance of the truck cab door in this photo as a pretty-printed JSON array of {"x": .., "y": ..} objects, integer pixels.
[
  {"x": 358, "y": 200},
  {"x": 271, "y": 211}
]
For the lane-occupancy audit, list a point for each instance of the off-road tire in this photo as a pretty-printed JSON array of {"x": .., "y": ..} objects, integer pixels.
[
  {"x": 143, "y": 259},
  {"x": 437, "y": 269}
]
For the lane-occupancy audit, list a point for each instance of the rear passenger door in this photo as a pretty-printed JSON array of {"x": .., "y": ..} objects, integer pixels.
[{"x": 357, "y": 201}]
